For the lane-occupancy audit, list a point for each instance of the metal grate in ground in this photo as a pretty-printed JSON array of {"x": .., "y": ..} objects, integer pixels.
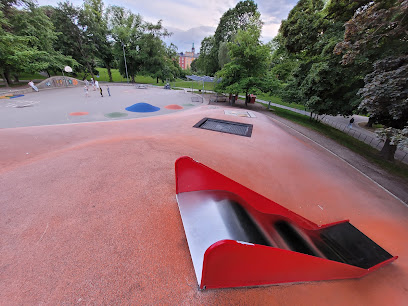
[{"x": 224, "y": 126}]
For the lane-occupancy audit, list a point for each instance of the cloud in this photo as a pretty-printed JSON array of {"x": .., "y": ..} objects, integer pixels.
[
  {"x": 182, "y": 14},
  {"x": 192, "y": 20},
  {"x": 278, "y": 9},
  {"x": 269, "y": 31},
  {"x": 272, "y": 13},
  {"x": 184, "y": 39}
]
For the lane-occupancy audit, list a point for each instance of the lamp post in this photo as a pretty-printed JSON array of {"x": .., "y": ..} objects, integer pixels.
[{"x": 124, "y": 57}]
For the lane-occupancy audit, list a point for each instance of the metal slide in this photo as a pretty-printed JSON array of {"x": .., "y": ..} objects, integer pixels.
[{"x": 239, "y": 238}]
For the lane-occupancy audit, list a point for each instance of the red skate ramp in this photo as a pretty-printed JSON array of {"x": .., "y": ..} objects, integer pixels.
[
  {"x": 88, "y": 213},
  {"x": 239, "y": 238}
]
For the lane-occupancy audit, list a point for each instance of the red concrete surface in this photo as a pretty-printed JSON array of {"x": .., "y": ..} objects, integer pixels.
[
  {"x": 173, "y": 106},
  {"x": 89, "y": 215},
  {"x": 79, "y": 114}
]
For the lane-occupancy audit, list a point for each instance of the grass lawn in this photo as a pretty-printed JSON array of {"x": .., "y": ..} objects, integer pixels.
[
  {"x": 277, "y": 100},
  {"x": 357, "y": 146},
  {"x": 196, "y": 85},
  {"x": 117, "y": 77}
]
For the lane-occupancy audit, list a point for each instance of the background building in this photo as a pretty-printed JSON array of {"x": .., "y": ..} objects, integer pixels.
[{"x": 186, "y": 58}]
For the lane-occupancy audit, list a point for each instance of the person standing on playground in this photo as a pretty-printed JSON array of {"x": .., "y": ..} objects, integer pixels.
[
  {"x": 100, "y": 90},
  {"x": 86, "y": 91},
  {"x": 107, "y": 88},
  {"x": 31, "y": 83},
  {"x": 93, "y": 84},
  {"x": 351, "y": 123}
]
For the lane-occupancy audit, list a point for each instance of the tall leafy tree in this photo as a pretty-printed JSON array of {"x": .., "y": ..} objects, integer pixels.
[
  {"x": 248, "y": 66},
  {"x": 127, "y": 30},
  {"x": 244, "y": 15},
  {"x": 223, "y": 56},
  {"x": 156, "y": 56},
  {"x": 96, "y": 29},
  {"x": 378, "y": 32},
  {"x": 170, "y": 68},
  {"x": 318, "y": 80},
  {"x": 27, "y": 40},
  {"x": 304, "y": 26},
  {"x": 72, "y": 38},
  {"x": 141, "y": 42},
  {"x": 207, "y": 62}
]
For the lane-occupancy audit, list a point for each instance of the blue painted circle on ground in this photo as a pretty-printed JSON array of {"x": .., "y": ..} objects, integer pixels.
[
  {"x": 16, "y": 96},
  {"x": 142, "y": 108}
]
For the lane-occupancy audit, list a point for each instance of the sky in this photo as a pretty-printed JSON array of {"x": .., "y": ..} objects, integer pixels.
[{"x": 192, "y": 20}]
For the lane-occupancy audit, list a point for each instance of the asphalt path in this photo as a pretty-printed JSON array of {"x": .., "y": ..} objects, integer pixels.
[{"x": 356, "y": 131}]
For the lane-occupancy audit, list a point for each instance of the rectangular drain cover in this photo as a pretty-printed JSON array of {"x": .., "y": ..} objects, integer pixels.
[{"x": 224, "y": 126}]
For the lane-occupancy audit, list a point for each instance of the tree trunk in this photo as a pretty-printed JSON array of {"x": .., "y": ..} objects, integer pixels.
[
  {"x": 246, "y": 99},
  {"x": 370, "y": 122},
  {"x": 133, "y": 79},
  {"x": 49, "y": 75},
  {"x": 6, "y": 77},
  {"x": 388, "y": 150},
  {"x": 157, "y": 80},
  {"x": 16, "y": 78},
  {"x": 109, "y": 71},
  {"x": 90, "y": 70}
]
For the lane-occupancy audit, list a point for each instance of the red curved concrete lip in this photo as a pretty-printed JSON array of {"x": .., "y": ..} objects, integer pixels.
[
  {"x": 89, "y": 215},
  {"x": 79, "y": 113},
  {"x": 173, "y": 106}
]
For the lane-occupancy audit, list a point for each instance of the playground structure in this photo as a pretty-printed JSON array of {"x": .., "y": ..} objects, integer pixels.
[
  {"x": 59, "y": 82},
  {"x": 50, "y": 83},
  {"x": 238, "y": 238}
]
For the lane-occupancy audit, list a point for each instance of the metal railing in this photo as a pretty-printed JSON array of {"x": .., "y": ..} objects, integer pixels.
[{"x": 374, "y": 142}]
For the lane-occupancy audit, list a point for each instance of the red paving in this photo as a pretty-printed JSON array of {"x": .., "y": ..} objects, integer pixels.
[
  {"x": 173, "y": 106},
  {"x": 89, "y": 215},
  {"x": 79, "y": 114}
]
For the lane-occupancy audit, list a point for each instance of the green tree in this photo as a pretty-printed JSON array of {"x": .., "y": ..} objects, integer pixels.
[
  {"x": 385, "y": 97},
  {"x": 142, "y": 43},
  {"x": 223, "y": 56},
  {"x": 27, "y": 40},
  {"x": 304, "y": 26},
  {"x": 193, "y": 66},
  {"x": 377, "y": 33},
  {"x": 126, "y": 29},
  {"x": 157, "y": 58},
  {"x": 248, "y": 66},
  {"x": 283, "y": 63},
  {"x": 96, "y": 21},
  {"x": 377, "y": 30},
  {"x": 207, "y": 62},
  {"x": 72, "y": 39},
  {"x": 318, "y": 80},
  {"x": 244, "y": 15}
]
